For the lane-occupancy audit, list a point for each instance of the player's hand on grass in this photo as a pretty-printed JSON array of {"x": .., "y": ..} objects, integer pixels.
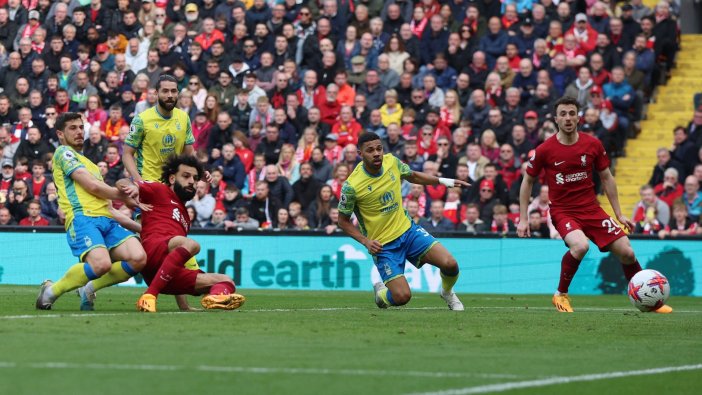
[
  {"x": 373, "y": 246},
  {"x": 523, "y": 229},
  {"x": 627, "y": 223}
]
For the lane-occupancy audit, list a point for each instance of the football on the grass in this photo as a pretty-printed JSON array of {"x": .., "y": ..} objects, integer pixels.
[{"x": 648, "y": 290}]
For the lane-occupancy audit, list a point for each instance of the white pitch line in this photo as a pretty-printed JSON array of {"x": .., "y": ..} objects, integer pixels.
[
  {"x": 332, "y": 309},
  {"x": 490, "y": 388},
  {"x": 252, "y": 369}
]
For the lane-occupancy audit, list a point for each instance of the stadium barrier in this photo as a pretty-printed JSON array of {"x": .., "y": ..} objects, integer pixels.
[{"x": 314, "y": 261}]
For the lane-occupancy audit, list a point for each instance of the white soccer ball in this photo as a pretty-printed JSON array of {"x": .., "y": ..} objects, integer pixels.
[{"x": 648, "y": 290}]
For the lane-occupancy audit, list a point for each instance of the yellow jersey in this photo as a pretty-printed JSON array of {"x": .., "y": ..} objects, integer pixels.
[
  {"x": 155, "y": 138},
  {"x": 72, "y": 198},
  {"x": 377, "y": 200}
]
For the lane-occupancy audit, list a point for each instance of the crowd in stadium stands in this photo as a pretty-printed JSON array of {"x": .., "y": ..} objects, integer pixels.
[{"x": 279, "y": 91}]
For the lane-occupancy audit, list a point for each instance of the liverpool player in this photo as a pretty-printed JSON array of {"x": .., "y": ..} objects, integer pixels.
[
  {"x": 567, "y": 159},
  {"x": 164, "y": 237}
]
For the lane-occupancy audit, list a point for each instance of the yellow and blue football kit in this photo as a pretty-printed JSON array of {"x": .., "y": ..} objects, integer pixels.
[
  {"x": 89, "y": 223},
  {"x": 155, "y": 138},
  {"x": 377, "y": 202}
]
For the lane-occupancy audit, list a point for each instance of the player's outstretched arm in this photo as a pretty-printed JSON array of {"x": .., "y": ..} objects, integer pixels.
[
  {"x": 417, "y": 177},
  {"x": 345, "y": 224},
  {"x": 94, "y": 186},
  {"x": 609, "y": 186},
  {"x": 524, "y": 194},
  {"x": 124, "y": 220}
]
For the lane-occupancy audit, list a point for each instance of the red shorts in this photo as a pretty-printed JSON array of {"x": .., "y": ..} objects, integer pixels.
[
  {"x": 597, "y": 225},
  {"x": 183, "y": 282}
]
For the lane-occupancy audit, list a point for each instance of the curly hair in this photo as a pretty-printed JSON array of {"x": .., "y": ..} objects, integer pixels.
[{"x": 170, "y": 167}]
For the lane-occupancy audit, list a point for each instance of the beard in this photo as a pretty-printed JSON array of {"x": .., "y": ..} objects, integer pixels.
[
  {"x": 183, "y": 194},
  {"x": 168, "y": 106}
]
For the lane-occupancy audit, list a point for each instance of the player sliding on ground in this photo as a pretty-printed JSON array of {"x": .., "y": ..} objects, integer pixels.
[
  {"x": 567, "y": 158},
  {"x": 372, "y": 192},
  {"x": 164, "y": 237},
  {"x": 94, "y": 230}
]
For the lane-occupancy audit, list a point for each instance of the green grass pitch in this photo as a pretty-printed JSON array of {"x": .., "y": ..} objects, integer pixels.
[{"x": 340, "y": 343}]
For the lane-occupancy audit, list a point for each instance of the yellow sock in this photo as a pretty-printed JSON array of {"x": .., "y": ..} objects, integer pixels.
[
  {"x": 75, "y": 277},
  {"x": 116, "y": 275},
  {"x": 447, "y": 282},
  {"x": 383, "y": 295}
]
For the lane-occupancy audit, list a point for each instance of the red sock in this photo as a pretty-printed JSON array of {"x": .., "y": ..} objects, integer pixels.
[
  {"x": 222, "y": 288},
  {"x": 174, "y": 260},
  {"x": 631, "y": 270},
  {"x": 569, "y": 265}
]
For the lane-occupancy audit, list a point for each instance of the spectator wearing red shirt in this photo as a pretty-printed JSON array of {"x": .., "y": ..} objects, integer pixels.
[
  {"x": 33, "y": 218},
  {"x": 209, "y": 34},
  {"x": 38, "y": 178},
  {"x": 670, "y": 189},
  {"x": 241, "y": 148},
  {"x": 585, "y": 35},
  {"x": 426, "y": 146},
  {"x": 507, "y": 165},
  {"x": 329, "y": 107},
  {"x": 346, "y": 127}
]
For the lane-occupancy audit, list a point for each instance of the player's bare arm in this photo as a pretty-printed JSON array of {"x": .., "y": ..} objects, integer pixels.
[
  {"x": 609, "y": 186},
  {"x": 524, "y": 194},
  {"x": 417, "y": 177},
  {"x": 130, "y": 163},
  {"x": 346, "y": 225},
  {"x": 96, "y": 187},
  {"x": 124, "y": 220}
]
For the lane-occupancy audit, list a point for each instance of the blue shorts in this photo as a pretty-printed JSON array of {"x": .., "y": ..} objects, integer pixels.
[
  {"x": 88, "y": 233},
  {"x": 411, "y": 246}
]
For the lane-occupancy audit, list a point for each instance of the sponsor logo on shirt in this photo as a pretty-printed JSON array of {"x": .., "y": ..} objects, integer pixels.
[{"x": 579, "y": 176}]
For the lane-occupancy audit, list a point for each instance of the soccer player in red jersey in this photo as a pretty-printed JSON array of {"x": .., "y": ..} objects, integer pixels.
[
  {"x": 164, "y": 237},
  {"x": 567, "y": 158}
]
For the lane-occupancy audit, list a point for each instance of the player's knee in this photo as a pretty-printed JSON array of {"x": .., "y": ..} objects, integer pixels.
[
  {"x": 450, "y": 265},
  {"x": 192, "y": 246},
  {"x": 401, "y": 297},
  {"x": 138, "y": 260},
  {"x": 101, "y": 266},
  {"x": 579, "y": 250}
]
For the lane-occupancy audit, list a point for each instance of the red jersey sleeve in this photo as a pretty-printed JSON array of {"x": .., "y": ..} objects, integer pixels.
[
  {"x": 535, "y": 164},
  {"x": 147, "y": 191},
  {"x": 601, "y": 158}
]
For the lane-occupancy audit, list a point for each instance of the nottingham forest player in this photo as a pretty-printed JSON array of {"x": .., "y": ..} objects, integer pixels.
[{"x": 372, "y": 192}]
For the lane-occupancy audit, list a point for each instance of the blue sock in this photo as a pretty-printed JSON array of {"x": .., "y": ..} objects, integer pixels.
[
  {"x": 89, "y": 272},
  {"x": 390, "y": 300},
  {"x": 128, "y": 269}
]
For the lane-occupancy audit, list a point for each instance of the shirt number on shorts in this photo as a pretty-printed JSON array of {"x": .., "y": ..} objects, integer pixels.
[
  {"x": 611, "y": 225},
  {"x": 423, "y": 232}
]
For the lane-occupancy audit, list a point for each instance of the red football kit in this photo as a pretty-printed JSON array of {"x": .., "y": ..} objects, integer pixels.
[
  {"x": 568, "y": 174},
  {"x": 167, "y": 219}
]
